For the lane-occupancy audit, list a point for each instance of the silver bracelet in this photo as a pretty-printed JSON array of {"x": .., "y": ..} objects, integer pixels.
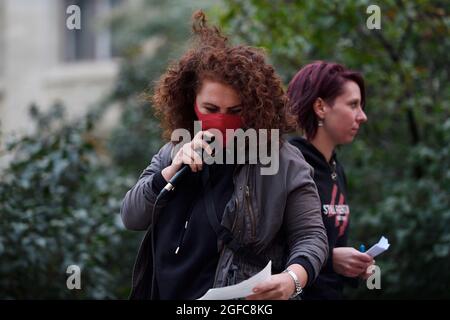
[{"x": 298, "y": 287}]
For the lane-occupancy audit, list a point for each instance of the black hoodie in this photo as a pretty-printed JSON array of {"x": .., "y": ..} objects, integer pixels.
[{"x": 332, "y": 187}]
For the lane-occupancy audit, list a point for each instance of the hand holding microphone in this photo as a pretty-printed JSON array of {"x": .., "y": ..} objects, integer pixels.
[{"x": 186, "y": 158}]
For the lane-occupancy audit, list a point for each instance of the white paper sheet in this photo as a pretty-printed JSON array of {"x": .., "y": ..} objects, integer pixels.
[
  {"x": 239, "y": 290},
  {"x": 378, "y": 248}
]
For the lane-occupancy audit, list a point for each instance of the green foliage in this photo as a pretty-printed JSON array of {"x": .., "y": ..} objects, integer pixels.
[
  {"x": 60, "y": 197},
  {"x": 61, "y": 190},
  {"x": 398, "y": 169},
  {"x": 59, "y": 205}
]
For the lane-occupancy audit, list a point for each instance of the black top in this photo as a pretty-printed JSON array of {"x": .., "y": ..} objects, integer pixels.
[
  {"x": 186, "y": 250},
  {"x": 185, "y": 243},
  {"x": 332, "y": 187}
]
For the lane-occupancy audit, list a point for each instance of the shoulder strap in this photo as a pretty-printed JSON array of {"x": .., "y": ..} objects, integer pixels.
[{"x": 223, "y": 233}]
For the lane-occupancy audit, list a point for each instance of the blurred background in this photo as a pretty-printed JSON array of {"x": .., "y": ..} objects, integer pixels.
[{"x": 77, "y": 129}]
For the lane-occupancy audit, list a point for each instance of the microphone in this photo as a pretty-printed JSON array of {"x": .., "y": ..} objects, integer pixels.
[
  {"x": 178, "y": 176},
  {"x": 174, "y": 180}
]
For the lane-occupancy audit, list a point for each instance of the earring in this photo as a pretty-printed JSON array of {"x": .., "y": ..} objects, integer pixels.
[{"x": 320, "y": 123}]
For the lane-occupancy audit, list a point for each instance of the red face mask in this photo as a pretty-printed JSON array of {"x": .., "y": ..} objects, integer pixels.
[{"x": 219, "y": 121}]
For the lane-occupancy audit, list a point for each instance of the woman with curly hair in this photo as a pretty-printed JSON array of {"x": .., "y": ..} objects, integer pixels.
[
  {"x": 224, "y": 222},
  {"x": 328, "y": 101}
]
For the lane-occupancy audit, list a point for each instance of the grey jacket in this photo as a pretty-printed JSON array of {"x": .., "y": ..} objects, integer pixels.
[{"x": 277, "y": 215}]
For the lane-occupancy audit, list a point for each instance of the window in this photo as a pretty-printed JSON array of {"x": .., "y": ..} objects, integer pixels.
[
  {"x": 2, "y": 40},
  {"x": 93, "y": 40}
]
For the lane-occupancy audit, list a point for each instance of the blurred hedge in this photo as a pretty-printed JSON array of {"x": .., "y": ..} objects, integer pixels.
[
  {"x": 59, "y": 206},
  {"x": 60, "y": 196},
  {"x": 61, "y": 191}
]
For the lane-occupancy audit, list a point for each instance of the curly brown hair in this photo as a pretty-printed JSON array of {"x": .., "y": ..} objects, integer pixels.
[{"x": 264, "y": 103}]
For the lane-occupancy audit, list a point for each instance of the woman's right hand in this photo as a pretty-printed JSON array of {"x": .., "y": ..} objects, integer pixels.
[
  {"x": 350, "y": 262},
  {"x": 189, "y": 154}
]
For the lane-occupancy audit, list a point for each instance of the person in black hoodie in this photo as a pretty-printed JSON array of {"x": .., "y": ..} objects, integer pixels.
[{"x": 327, "y": 100}]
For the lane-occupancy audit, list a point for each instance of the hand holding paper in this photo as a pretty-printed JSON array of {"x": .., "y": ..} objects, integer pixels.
[{"x": 239, "y": 290}]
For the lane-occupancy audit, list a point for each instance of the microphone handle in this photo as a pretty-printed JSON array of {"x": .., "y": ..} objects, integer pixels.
[
  {"x": 180, "y": 173},
  {"x": 174, "y": 180},
  {"x": 184, "y": 169}
]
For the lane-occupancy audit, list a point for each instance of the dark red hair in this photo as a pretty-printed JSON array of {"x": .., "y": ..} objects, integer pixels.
[
  {"x": 244, "y": 68},
  {"x": 323, "y": 80}
]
